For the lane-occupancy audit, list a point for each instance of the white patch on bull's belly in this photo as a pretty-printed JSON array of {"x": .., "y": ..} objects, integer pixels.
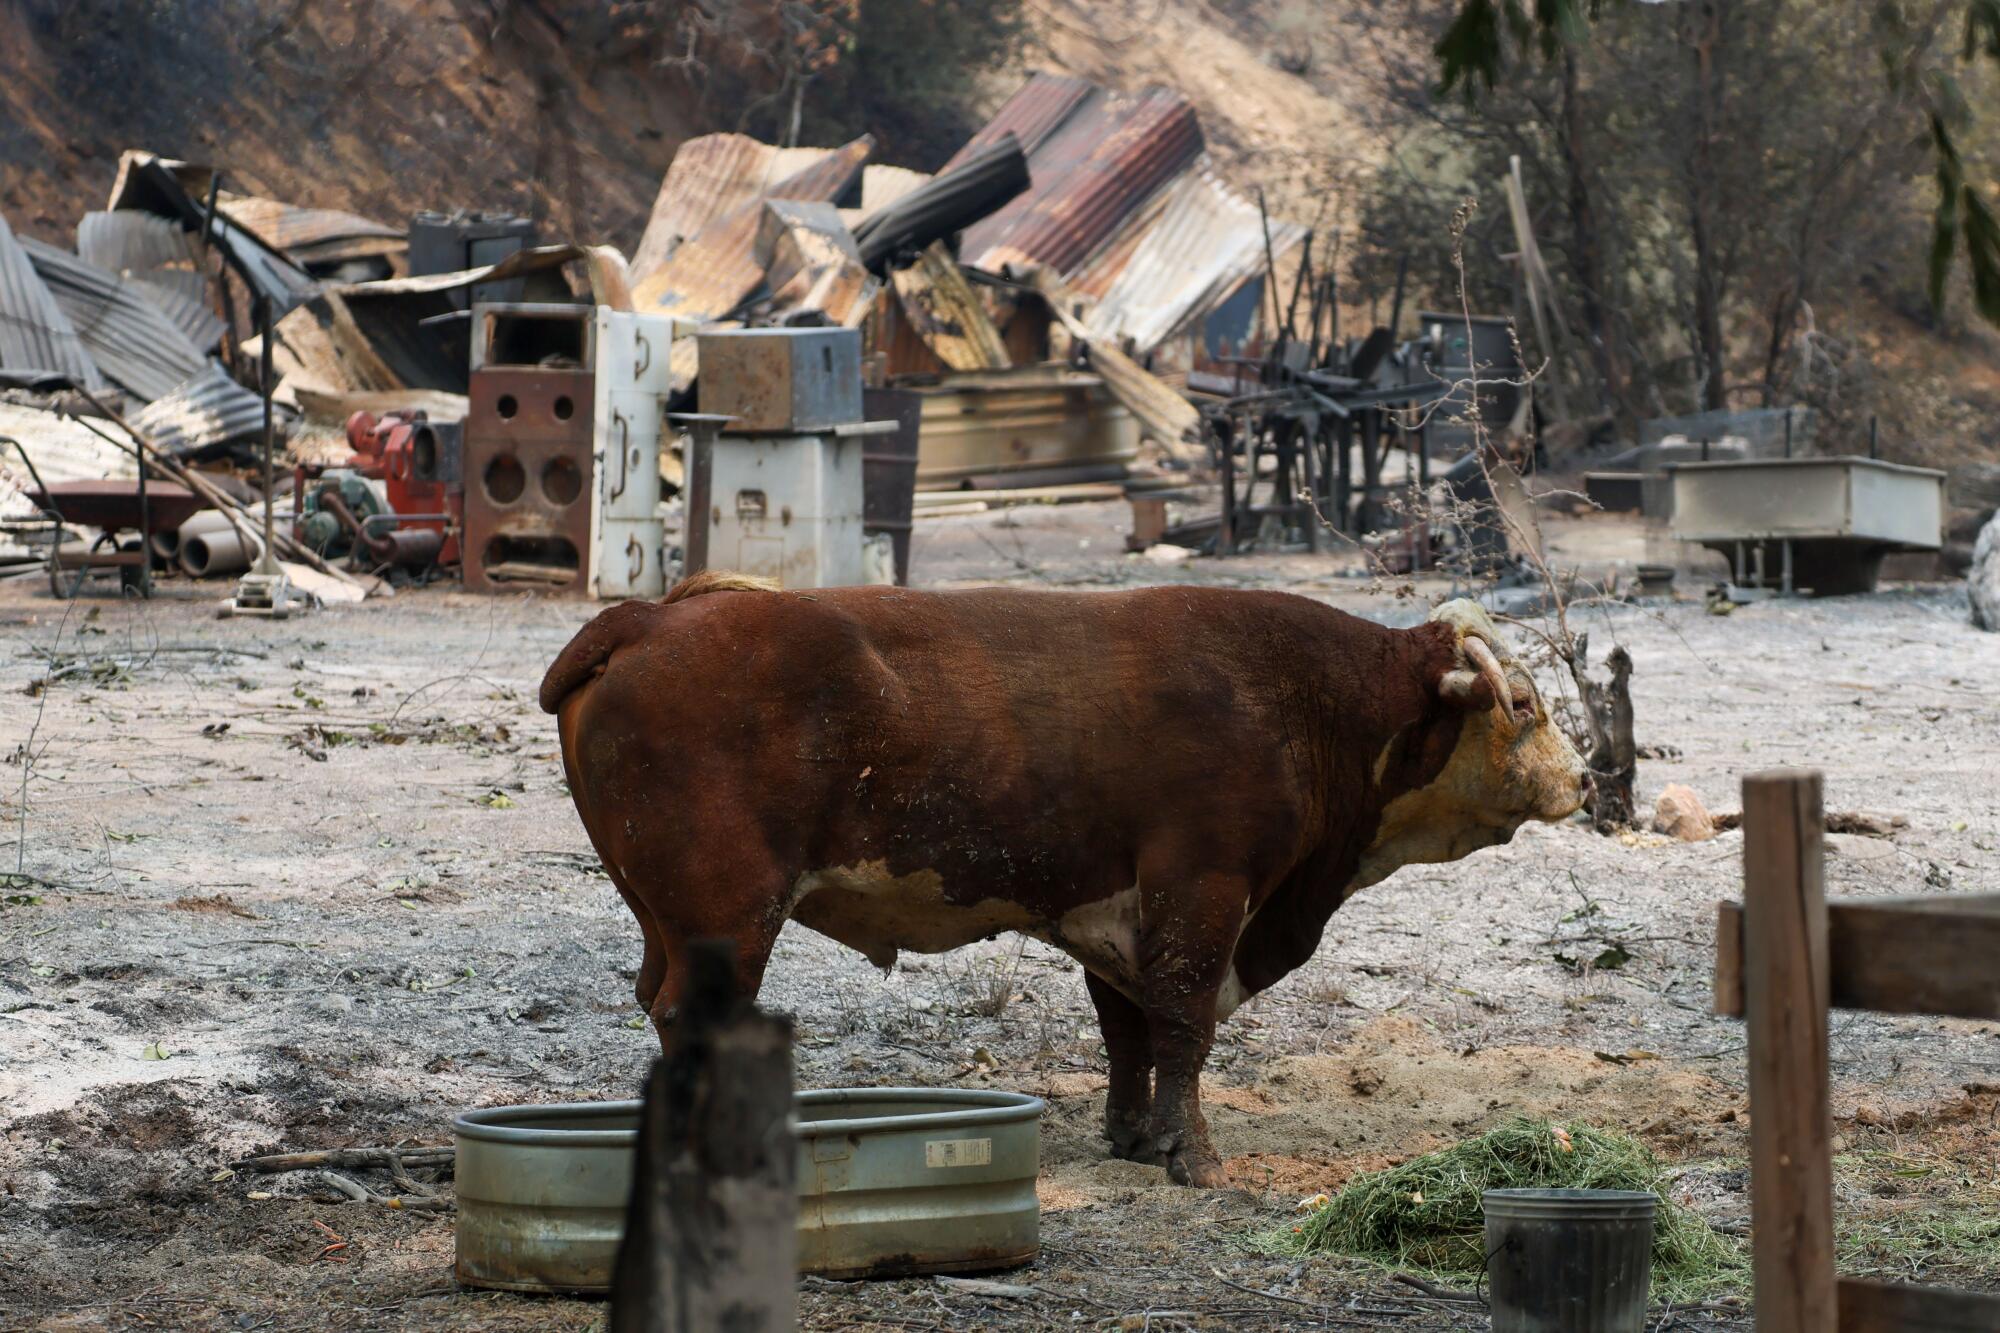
[
  {"x": 1104, "y": 937},
  {"x": 878, "y": 914}
]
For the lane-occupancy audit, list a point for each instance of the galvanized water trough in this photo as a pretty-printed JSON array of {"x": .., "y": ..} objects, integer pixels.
[
  {"x": 892, "y": 1181},
  {"x": 1808, "y": 524}
]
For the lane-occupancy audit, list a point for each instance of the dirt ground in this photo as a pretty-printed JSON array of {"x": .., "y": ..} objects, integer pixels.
[{"x": 318, "y": 883}]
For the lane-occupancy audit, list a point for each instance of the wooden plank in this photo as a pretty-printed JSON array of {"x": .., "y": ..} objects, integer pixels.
[
  {"x": 1892, "y": 1307},
  {"x": 1785, "y": 999},
  {"x": 1729, "y": 960},
  {"x": 1933, "y": 955}
]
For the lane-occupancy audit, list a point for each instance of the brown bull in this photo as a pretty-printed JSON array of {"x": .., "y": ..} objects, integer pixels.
[{"x": 1174, "y": 786}]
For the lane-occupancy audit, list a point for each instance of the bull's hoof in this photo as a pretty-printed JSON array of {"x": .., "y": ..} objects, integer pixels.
[
  {"x": 1132, "y": 1143},
  {"x": 1198, "y": 1167}
]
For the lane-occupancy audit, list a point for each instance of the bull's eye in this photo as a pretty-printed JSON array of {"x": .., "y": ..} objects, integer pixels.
[{"x": 1524, "y": 710}]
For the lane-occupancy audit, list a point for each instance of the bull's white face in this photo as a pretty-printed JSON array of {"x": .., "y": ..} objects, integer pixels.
[{"x": 1512, "y": 763}]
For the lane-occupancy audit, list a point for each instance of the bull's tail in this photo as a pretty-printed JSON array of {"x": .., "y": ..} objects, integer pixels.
[{"x": 586, "y": 656}]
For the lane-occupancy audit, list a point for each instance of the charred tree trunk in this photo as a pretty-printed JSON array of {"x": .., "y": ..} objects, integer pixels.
[
  {"x": 1614, "y": 756},
  {"x": 1587, "y": 240},
  {"x": 1703, "y": 194},
  {"x": 711, "y": 1232}
]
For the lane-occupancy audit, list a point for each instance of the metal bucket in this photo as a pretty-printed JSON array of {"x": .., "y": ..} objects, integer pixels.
[
  {"x": 891, "y": 1181},
  {"x": 1569, "y": 1261}
]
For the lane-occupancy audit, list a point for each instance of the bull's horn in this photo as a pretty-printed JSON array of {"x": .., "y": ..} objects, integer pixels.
[{"x": 1489, "y": 666}]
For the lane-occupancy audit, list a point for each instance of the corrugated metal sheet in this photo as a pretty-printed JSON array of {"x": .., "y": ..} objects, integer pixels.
[
  {"x": 131, "y": 339},
  {"x": 1164, "y": 413},
  {"x": 1032, "y": 114},
  {"x": 156, "y": 257},
  {"x": 941, "y": 306},
  {"x": 1111, "y": 154},
  {"x": 182, "y": 296},
  {"x": 203, "y": 415},
  {"x": 711, "y": 177},
  {"x": 36, "y": 336},
  {"x": 713, "y": 273},
  {"x": 133, "y": 243},
  {"x": 63, "y": 450},
  {"x": 148, "y": 183},
  {"x": 1176, "y": 259},
  {"x": 284, "y": 226}
]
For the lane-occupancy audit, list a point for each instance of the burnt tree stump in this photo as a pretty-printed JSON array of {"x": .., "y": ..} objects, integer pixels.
[
  {"x": 1614, "y": 755},
  {"x": 711, "y": 1231}
]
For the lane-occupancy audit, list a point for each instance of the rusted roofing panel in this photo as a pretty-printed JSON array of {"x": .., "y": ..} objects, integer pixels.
[
  {"x": 943, "y": 309},
  {"x": 1106, "y": 159},
  {"x": 37, "y": 339},
  {"x": 1032, "y": 114},
  {"x": 131, "y": 339},
  {"x": 717, "y": 270},
  {"x": 709, "y": 178},
  {"x": 1176, "y": 260},
  {"x": 286, "y": 226}
]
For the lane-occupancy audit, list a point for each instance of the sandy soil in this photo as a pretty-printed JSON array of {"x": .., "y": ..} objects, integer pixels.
[{"x": 318, "y": 883}]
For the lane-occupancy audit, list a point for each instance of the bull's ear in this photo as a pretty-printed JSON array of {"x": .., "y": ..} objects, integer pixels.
[{"x": 1469, "y": 690}]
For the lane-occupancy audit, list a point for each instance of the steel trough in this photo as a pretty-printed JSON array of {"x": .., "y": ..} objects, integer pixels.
[{"x": 892, "y": 1181}]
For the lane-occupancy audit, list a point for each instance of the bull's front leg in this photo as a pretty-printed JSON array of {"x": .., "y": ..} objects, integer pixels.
[{"x": 1189, "y": 930}]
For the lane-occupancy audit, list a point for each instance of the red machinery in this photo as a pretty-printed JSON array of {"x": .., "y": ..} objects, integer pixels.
[{"x": 418, "y": 462}]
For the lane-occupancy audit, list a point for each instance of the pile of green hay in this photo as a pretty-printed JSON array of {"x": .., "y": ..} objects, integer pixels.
[{"x": 1425, "y": 1215}]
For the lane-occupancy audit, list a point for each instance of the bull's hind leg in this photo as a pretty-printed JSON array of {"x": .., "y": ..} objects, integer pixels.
[
  {"x": 1128, "y": 1102},
  {"x": 653, "y": 966},
  {"x": 753, "y": 941},
  {"x": 739, "y": 901},
  {"x": 1188, "y": 930}
]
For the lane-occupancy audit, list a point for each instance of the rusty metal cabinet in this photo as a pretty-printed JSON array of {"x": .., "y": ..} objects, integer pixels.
[{"x": 529, "y": 476}]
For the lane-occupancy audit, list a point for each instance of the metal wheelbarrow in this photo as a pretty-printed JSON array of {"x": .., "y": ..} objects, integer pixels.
[{"x": 111, "y": 507}]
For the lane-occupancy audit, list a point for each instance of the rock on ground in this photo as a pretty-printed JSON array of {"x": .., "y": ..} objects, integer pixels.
[
  {"x": 1982, "y": 581},
  {"x": 1679, "y": 813}
]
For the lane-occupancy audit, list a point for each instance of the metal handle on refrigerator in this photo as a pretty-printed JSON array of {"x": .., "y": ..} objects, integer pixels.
[
  {"x": 624, "y": 439},
  {"x": 645, "y": 361}
]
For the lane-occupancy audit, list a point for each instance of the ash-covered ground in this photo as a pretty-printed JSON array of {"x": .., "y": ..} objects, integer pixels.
[{"x": 318, "y": 883}]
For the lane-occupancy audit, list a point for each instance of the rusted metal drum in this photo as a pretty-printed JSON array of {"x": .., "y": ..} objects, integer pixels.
[{"x": 892, "y": 1181}]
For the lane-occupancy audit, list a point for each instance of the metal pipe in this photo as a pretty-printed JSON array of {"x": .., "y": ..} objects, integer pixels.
[
  {"x": 1874, "y": 438},
  {"x": 223, "y": 551},
  {"x": 270, "y": 429}
]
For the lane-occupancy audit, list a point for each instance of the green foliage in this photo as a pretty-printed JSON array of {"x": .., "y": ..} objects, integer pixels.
[
  {"x": 1474, "y": 45},
  {"x": 908, "y": 74},
  {"x": 1427, "y": 1213},
  {"x": 1962, "y": 218}
]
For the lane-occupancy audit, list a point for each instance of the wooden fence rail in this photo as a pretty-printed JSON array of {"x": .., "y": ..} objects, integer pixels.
[{"x": 1782, "y": 958}]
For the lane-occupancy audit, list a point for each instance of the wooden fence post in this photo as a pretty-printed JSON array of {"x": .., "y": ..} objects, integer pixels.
[
  {"x": 1785, "y": 1004},
  {"x": 711, "y": 1233}
]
